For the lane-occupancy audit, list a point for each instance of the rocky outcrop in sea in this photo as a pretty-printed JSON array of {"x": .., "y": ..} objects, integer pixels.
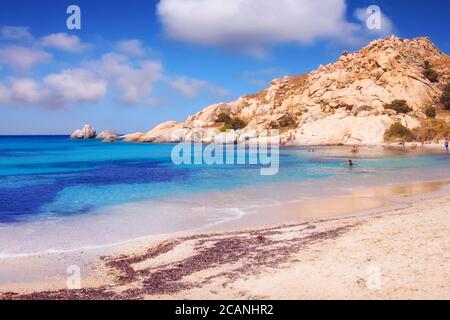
[{"x": 87, "y": 132}]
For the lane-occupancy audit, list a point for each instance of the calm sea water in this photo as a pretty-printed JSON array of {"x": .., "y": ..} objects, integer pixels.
[
  {"x": 58, "y": 194},
  {"x": 53, "y": 176}
]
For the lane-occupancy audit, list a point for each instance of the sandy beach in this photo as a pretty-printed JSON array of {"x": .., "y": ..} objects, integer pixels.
[
  {"x": 224, "y": 150},
  {"x": 391, "y": 252}
]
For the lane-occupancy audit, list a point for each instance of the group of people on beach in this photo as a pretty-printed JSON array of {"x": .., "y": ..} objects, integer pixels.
[
  {"x": 414, "y": 146},
  {"x": 291, "y": 138},
  {"x": 355, "y": 149}
]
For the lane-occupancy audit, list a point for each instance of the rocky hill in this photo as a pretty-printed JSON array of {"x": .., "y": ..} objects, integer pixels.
[{"x": 340, "y": 103}]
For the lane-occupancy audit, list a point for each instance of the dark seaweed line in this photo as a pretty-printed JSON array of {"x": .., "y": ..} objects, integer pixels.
[{"x": 254, "y": 250}]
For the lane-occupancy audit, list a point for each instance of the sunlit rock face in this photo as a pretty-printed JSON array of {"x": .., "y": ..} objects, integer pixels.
[{"x": 339, "y": 103}]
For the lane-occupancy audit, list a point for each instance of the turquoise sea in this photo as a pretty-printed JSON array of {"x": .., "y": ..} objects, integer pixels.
[{"x": 51, "y": 182}]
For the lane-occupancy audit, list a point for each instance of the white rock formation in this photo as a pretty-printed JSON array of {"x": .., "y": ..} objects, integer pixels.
[
  {"x": 107, "y": 134},
  {"x": 110, "y": 139},
  {"x": 340, "y": 103},
  {"x": 336, "y": 129},
  {"x": 171, "y": 131},
  {"x": 133, "y": 137},
  {"x": 87, "y": 132}
]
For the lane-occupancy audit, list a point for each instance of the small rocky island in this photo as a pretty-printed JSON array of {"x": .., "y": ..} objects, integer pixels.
[{"x": 88, "y": 132}]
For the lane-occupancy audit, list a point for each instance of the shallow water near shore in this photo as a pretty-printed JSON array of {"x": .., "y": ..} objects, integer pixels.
[{"x": 60, "y": 195}]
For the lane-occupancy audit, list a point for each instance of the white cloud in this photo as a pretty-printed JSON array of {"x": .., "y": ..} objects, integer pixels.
[
  {"x": 64, "y": 42},
  {"x": 55, "y": 91},
  {"x": 17, "y": 33},
  {"x": 251, "y": 26},
  {"x": 187, "y": 86},
  {"x": 129, "y": 74},
  {"x": 218, "y": 91},
  {"x": 23, "y": 58},
  {"x": 135, "y": 83},
  {"x": 190, "y": 87},
  {"x": 28, "y": 92},
  {"x": 77, "y": 85},
  {"x": 132, "y": 47},
  {"x": 387, "y": 26},
  {"x": 133, "y": 80},
  {"x": 4, "y": 94}
]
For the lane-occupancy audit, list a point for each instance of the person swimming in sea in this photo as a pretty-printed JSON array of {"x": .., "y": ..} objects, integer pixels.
[{"x": 359, "y": 170}]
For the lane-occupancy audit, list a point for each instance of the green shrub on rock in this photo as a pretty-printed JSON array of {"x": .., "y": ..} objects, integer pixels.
[
  {"x": 432, "y": 129},
  {"x": 445, "y": 99},
  {"x": 398, "y": 131},
  {"x": 399, "y": 106},
  {"x": 237, "y": 123},
  {"x": 288, "y": 121},
  {"x": 285, "y": 122},
  {"x": 430, "y": 112},
  {"x": 430, "y": 73},
  {"x": 230, "y": 123},
  {"x": 223, "y": 118}
]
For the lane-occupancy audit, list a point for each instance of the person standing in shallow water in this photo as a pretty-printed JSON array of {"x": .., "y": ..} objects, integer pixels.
[{"x": 446, "y": 144}]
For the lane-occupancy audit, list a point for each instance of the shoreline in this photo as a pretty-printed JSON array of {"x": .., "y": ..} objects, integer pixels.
[
  {"x": 105, "y": 276},
  {"x": 362, "y": 200},
  {"x": 432, "y": 145}
]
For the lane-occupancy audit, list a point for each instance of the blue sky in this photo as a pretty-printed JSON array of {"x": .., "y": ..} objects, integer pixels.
[{"x": 136, "y": 63}]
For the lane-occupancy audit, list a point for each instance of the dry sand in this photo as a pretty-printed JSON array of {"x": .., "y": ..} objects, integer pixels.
[{"x": 401, "y": 253}]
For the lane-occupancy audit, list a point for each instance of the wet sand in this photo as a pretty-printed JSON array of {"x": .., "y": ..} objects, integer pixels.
[
  {"x": 388, "y": 242},
  {"x": 361, "y": 201}
]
